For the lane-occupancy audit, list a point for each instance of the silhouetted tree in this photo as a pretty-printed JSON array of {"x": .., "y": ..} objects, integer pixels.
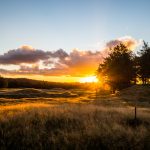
[
  {"x": 118, "y": 68},
  {"x": 144, "y": 63},
  {"x": 3, "y": 82}
]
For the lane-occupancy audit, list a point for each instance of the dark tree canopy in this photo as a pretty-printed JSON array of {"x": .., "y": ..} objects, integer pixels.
[
  {"x": 144, "y": 63},
  {"x": 117, "y": 69}
]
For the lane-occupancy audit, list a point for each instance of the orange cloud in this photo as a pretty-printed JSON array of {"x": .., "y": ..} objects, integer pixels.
[
  {"x": 128, "y": 41},
  {"x": 57, "y": 63},
  {"x": 27, "y": 47}
]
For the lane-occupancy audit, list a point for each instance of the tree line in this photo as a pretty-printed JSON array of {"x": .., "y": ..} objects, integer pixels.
[
  {"x": 30, "y": 83},
  {"x": 123, "y": 67}
]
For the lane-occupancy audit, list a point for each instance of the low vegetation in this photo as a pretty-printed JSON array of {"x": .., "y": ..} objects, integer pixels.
[
  {"x": 74, "y": 127},
  {"x": 102, "y": 122}
]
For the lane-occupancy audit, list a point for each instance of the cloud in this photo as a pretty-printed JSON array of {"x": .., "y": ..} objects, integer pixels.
[
  {"x": 77, "y": 63},
  {"x": 23, "y": 54},
  {"x": 82, "y": 62},
  {"x": 27, "y": 54},
  {"x": 60, "y": 54},
  {"x": 59, "y": 62},
  {"x": 128, "y": 41}
]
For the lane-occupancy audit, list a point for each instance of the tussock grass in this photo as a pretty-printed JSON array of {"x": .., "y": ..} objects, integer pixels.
[{"x": 74, "y": 127}]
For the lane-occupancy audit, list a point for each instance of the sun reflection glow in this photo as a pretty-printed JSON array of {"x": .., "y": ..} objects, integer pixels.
[{"x": 88, "y": 79}]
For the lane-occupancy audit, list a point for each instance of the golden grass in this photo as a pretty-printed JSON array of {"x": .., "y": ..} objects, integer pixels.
[
  {"x": 24, "y": 106},
  {"x": 74, "y": 127},
  {"x": 83, "y": 122}
]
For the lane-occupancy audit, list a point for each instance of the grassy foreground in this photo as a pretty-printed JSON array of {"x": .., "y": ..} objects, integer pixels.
[{"x": 74, "y": 126}]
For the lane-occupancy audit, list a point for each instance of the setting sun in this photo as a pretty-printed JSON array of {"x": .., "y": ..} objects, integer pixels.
[{"x": 89, "y": 79}]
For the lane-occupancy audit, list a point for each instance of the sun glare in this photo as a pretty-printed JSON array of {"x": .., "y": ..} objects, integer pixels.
[{"x": 88, "y": 79}]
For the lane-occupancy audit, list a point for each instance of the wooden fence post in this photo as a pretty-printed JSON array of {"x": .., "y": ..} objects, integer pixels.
[{"x": 135, "y": 116}]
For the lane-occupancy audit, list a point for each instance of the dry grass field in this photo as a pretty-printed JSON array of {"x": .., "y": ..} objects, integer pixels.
[{"x": 74, "y": 119}]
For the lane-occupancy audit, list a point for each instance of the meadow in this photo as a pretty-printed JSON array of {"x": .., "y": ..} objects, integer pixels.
[{"x": 74, "y": 119}]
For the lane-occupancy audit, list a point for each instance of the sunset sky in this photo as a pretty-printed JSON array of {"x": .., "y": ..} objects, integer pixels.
[{"x": 65, "y": 40}]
